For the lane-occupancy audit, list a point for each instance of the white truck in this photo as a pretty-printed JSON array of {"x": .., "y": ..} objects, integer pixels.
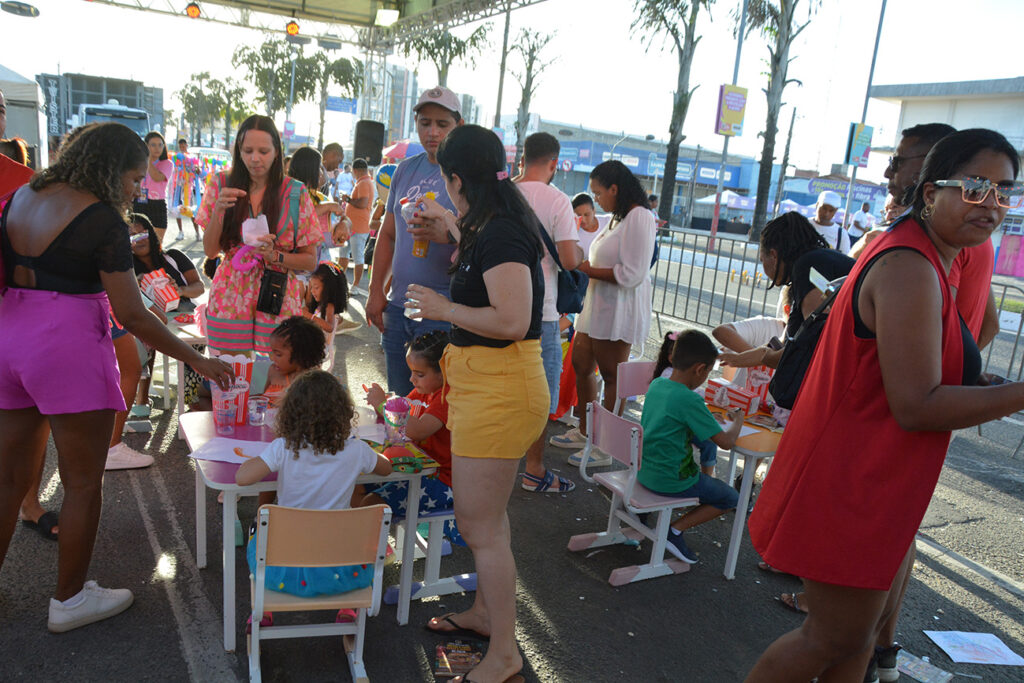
[{"x": 136, "y": 119}]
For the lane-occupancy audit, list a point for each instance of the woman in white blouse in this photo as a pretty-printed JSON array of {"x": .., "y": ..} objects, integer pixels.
[{"x": 617, "y": 309}]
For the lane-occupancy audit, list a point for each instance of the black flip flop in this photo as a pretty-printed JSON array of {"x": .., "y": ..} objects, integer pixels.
[
  {"x": 44, "y": 525},
  {"x": 456, "y": 631}
]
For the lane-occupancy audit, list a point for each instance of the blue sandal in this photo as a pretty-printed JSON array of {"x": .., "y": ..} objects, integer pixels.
[{"x": 546, "y": 484}]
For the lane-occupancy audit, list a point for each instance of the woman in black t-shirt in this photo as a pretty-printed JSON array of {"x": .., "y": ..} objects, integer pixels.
[
  {"x": 66, "y": 255},
  {"x": 498, "y": 401}
]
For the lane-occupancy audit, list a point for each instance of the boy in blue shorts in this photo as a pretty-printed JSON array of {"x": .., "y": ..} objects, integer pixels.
[{"x": 674, "y": 416}]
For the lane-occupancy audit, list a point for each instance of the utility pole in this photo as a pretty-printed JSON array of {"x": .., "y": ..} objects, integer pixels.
[
  {"x": 725, "y": 144},
  {"x": 785, "y": 163},
  {"x": 501, "y": 76},
  {"x": 864, "y": 113}
]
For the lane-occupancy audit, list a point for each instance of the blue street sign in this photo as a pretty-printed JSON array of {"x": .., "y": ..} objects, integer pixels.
[{"x": 343, "y": 104}]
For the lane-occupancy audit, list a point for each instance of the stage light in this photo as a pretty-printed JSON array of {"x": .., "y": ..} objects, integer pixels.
[
  {"x": 386, "y": 17},
  {"x": 192, "y": 10},
  {"x": 292, "y": 28}
]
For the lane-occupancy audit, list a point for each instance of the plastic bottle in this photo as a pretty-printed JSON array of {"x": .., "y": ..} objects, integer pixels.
[{"x": 419, "y": 247}]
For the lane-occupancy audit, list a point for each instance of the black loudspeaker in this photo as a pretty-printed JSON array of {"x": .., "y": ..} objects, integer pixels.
[{"x": 369, "y": 141}]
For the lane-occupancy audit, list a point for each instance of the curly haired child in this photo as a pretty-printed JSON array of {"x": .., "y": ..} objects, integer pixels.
[
  {"x": 326, "y": 296},
  {"x": 317, "y": 465}
]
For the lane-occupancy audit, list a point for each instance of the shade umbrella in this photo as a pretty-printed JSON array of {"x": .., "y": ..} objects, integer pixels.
[{"x": 403, "y": 149}]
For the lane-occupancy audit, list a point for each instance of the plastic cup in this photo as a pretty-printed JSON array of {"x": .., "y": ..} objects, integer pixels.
[
  {"x": 258, "y": 410},
  {"x": 396, "y": 414},
  {"x": 225, "y": 409}
]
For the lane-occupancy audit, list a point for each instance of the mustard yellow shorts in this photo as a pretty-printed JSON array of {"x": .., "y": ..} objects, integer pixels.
[{"x": 498, "y": 402}]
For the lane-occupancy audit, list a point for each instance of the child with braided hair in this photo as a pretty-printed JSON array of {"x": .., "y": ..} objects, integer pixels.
[{"x": 426, "y": 426}]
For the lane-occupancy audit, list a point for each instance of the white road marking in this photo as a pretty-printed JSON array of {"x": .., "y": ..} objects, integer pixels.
[{"x": 198, "y": 622}]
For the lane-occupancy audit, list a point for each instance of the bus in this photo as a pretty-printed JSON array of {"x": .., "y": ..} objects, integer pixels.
[{"x": 136, "y": 119}]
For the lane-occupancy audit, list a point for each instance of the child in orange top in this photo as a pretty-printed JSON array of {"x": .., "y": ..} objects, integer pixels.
[{"x": 426, "y": 427}]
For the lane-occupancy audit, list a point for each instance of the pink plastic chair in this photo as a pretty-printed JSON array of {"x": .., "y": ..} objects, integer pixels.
[
  {"x": 623, "y": 440},
  {"x": 632, "y": 378}
]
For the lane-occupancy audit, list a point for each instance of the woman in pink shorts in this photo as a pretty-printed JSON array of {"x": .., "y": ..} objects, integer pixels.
[{"x": 67, "y": 260}]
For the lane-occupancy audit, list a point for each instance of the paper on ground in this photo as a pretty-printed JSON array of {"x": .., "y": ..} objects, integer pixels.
[
  {"x": 975, "y": 648},
  {"x": 920, "y": 670},
  {"x": 223, "y": 450}
]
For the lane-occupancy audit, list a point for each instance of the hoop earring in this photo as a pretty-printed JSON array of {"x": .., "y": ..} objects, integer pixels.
[{"x": 927, "y": 211}]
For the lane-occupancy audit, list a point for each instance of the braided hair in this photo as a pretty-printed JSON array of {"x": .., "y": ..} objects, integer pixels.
[
  {"x": 430, "y": 347},
  {"x": 335, "y": 289},
  {"x": 305, "y": 339},
  {"x": 791, "y": 236}
]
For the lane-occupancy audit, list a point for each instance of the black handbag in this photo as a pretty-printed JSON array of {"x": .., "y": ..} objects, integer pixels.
[
  {"x": 798, "y": 351},
  {"x": 371, "y": 242},
  {"x": 572, "y": 284}
]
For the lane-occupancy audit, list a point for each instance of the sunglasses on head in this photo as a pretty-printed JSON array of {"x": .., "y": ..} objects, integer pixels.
[{"x": 974, "y": 191}]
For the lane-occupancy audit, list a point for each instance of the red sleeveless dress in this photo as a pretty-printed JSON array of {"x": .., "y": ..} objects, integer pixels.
[{"x": 848, "y": 487}]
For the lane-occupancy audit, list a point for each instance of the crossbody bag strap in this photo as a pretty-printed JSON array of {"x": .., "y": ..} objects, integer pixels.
[{"x": 551, "y": 247}]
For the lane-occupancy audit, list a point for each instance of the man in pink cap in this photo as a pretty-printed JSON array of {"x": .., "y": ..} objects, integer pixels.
[{"x": 437, "y": 114}]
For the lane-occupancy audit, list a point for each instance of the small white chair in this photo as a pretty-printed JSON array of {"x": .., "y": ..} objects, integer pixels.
[
  {"x": 291, "y": 537},
  {"x": 623, "y": 440},
  {"x": 431, "y": 549}
]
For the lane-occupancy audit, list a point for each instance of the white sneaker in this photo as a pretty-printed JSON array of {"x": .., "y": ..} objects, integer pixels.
[
  {"x": 121, "y": 457},
  {"x": 356, "y": 289},
  {"x": 99, "y": 604},
  {"x": 181, "y": 236},
  {"x": 597, "y": 459},
  {"x": 571, "y": 439}
]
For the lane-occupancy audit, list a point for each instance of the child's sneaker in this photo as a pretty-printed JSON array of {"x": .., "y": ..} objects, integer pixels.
[
  {"x": 571, "y": 439},
  {"x": 677, "y": 546},
  {"x": 99, "y": 604},
  {"x": 886, "y": 658},
  {"x": 345, "y": 616}
]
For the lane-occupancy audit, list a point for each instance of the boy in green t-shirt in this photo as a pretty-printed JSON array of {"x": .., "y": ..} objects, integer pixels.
[{"x": 674, "y": 415}]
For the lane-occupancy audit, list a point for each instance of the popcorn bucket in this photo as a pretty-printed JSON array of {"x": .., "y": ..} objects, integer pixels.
[
  {"x": 242, "y": 365},
  {"x": 158, "y": 287}
]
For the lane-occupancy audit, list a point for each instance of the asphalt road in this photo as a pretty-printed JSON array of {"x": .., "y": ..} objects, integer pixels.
[{"x": 572, "y": 626}]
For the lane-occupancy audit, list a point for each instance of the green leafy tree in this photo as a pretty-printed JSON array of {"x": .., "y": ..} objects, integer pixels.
[
  {"x": 529, "y": 45},
  {"x": 321, "y": 72},
  {"x": 776, "y": 20},
  {"x": 268, "y": 68},
  {"x": 444, "y": 49},
  {"x": 232, "y": 105},
  {"x": 195, "y": 103},
  {"x": 676, "y": 20}
]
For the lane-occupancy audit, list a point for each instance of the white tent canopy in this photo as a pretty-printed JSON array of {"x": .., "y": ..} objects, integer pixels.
[{"x": 24, "y": 100}]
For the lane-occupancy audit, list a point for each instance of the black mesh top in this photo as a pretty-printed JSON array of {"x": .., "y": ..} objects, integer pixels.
[{"x": 96, "y": 239}]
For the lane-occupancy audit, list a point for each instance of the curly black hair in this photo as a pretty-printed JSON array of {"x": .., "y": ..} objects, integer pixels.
[
  {"x": 94, "y": 158},
  {"x": 316, "y": 412},
  {"x": 791, "y": 236},
  {"x": 335, "y": 289},
  {"x": 305, "y": 339},
  {"x": 430, "y": 347}
]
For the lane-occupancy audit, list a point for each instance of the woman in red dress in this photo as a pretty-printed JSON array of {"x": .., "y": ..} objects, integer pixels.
[{"x": 892, "y": 377}]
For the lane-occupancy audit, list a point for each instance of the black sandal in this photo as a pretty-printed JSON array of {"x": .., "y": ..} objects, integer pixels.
[{"x": 44, "y": 526}]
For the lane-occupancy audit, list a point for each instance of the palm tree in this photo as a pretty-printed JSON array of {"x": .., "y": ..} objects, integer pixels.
[
  {"x": 269, "y": 70},
  {"x": 529, "y": 45},
  {"x": 444, "y": 49},
  {"x": 677, "y": 19},
  {"x": 322, "y": 72},
  {"x": 776, "y": 21}
]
